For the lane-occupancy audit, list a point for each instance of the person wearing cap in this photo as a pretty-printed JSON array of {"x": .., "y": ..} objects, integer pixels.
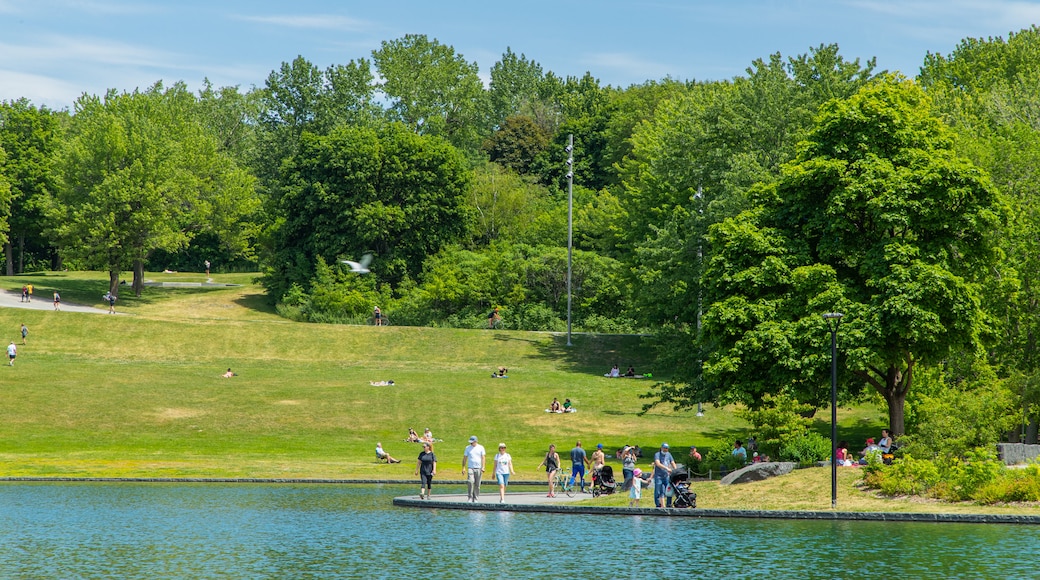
[
  {"x": 474, "y": 459},
  {"x": 598, "y": 459},
  {"x": 870, "y": 449},
  {"x": 664, "y": 464},
  {"x": 503, "y": 469},
  {"x": 578, "y": 462}
]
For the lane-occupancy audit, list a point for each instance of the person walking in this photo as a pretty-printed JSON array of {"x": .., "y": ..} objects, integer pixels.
[
  {"x": 111, "y": 299},
  {"x": 28, "y": 298},
  {"x": 552, "y": 465},
  {"x": 503, "y": 469},
  {"x": 57, "y": 300},
  {"x": 474, "y": 459},
  {"x": 664, "y": 463},
  {"x": 12, "y": 351},
  {"x": 207, "y": 268},
  {"x": 25, "y": 292},
  {"x": 426, "y": 468},
  {"x": 578, "y": 462},
  {"x": 25, "y": 332}
]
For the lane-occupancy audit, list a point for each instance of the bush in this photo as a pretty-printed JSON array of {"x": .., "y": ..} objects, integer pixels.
[
  {"x": 806, "y": 450},
  {"x": 906, "y": 476},
  {"x": 779, "y": 420},
  {"x": 1013, "y": 485}
]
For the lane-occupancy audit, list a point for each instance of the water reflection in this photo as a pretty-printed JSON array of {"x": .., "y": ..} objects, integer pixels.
[{"x": 315, "y": 531}]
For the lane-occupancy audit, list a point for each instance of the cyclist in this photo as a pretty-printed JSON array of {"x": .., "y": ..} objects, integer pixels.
[
  {"x": 493, "y": 317},
  {"x": 377, "y": 316}
]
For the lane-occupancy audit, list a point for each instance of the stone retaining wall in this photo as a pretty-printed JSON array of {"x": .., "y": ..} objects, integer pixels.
[{"x": 1015, "y": 453}]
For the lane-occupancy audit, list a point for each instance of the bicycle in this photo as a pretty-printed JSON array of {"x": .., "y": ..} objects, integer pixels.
[
  {"x": 383, "y": 321},
  {"x": 564, "y": 483},
  {"x": 495, "y": 322}
]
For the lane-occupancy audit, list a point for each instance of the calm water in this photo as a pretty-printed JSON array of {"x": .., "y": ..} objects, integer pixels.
[{"x": 319, "y": 531}]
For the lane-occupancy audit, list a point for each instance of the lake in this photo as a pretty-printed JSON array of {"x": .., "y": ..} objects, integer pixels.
[{"x": 167, "y": 530}]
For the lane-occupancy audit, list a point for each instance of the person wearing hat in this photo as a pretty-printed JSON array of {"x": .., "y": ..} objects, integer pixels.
[
  {"x": 870, "y": 449},
  {"x": 474, "y": 459},
  {"x": 635, "y": 490},
  {"x": 503, "y": 469},
  {"x": 664, "y": 464},
  {"x": 628, "y": 465},
  {"x": 598, "y": 460}
]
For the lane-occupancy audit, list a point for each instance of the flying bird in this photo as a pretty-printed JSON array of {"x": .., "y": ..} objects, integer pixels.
[{"x": 359, "y": 267}]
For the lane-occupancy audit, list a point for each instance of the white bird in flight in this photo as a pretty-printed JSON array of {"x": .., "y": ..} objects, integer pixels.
[{"x": 359, "y": 267}]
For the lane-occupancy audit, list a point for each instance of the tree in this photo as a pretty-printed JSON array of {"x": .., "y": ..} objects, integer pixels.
[
  {"x": 877, "y": 217},
  {"x": 433, "y": 90},
  {"x": 29, "y": 135},
  {"x": 516, "y": 143},
  {"x": 138, "y": 173},
  {"x": 504, "y": 205},
  {"x": 514, "y": 87},
  {"x": 389, "y": 192}
]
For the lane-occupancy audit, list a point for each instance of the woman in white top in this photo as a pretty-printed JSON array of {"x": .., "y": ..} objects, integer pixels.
[{"x": 503, "y": 469}]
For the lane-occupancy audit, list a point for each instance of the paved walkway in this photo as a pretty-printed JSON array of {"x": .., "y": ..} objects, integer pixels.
[
  {"x": 491, "y": 499},
  {"x": 14, "y": 300}
]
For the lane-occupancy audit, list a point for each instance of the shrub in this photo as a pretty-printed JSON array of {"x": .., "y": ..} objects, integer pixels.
[
  {"x": 1013, "y": 485},
  {"x": 806, "y": 450},
  {"x": 906, "y": 476},
  {"x": 779, "y": 420}
]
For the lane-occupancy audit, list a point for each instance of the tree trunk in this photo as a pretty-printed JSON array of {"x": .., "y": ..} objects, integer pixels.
[
  {"x": 138, "y": 277},
  {"x": 9, "y": 256},
  {"x": 896, "y": 407},
  {"x": 113, "y": 282},
  {"x": 894, "y": 385},
  {"x": 21, "y": 254}
]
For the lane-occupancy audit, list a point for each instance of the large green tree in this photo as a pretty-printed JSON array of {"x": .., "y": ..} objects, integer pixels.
[
  {"x": 29, "y": 136},
  {"x": 877, "y": 217},
  {"x": 433, "y": 90},
  {"x": 389, "y": 192},
  {"x": 139, "y": 172}
]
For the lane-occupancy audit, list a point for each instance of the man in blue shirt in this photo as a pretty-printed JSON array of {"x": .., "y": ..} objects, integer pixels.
[
  {"x": 578, "y": 461},
  {"x": 663, "y": 466}
]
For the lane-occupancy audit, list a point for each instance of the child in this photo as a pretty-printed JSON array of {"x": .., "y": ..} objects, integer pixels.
[{"x": 635, "y": 492}]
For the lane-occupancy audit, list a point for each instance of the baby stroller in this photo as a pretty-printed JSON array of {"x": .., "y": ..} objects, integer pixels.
[
  {"x": 683, "y": 497},
  {"x": 603, "y": 481}
]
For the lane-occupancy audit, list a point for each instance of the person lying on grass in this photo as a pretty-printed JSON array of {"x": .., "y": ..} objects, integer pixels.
[
  {"x": 383, "y": 455},
  {"x": 229, "y": 374}
]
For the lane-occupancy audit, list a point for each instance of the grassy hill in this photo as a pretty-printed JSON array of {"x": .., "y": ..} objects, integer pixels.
[{"x": 140, "y": 394}]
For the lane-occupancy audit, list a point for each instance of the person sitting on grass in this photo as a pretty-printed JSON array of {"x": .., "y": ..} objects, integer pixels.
[
  {"x": 614, "y": 373},
  {"x": 501, "y": 374},
  {"x": 229, "y": 374},
  {"x": 383, "y": 455},
  {"x": 413, "y": 437},
  {"x": 631, "y": 372},
  {"x": 567, "y": 408},
  {"x": 427, "y": 435},
  {"x": 555, "y": 406}
]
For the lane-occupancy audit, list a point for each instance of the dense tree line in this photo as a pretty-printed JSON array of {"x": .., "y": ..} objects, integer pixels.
[{"x": 722, "y": 216}]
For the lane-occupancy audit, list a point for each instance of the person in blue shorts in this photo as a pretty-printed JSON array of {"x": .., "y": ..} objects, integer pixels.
[{"x": 578, "y": 462}]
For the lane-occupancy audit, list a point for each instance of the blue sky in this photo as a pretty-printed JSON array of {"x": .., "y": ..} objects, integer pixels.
[{"x": 51, "y": 51}]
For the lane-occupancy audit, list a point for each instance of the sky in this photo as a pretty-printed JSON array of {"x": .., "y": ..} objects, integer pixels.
[{"x": 53, "y": 51}]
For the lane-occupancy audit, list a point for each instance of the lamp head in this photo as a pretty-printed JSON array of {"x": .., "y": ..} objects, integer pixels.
[{"x": 833, "y": 316}]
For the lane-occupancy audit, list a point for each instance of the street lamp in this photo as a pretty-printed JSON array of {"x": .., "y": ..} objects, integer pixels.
[
  {"x": 570, "y": 226},
  {"x": 833, "y": 319}
]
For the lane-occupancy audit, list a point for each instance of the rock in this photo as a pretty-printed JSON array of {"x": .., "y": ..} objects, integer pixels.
[{"x": 758, "y": 472}]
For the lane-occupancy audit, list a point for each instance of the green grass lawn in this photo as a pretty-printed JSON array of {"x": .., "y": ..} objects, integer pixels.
[{"x": 140, "y": 395}]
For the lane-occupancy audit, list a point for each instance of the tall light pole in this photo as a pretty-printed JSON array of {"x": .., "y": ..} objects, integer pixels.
[
  {"x": 570, "y": 226},
  {"x": 699, "y": 197},
  {"x": 833, "y": 319}
]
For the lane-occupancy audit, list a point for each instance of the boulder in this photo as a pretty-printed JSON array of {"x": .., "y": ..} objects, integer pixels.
[{"x": 759, "y": 471}]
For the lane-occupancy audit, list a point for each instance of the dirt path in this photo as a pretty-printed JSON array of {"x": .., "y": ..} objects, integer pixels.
[{"x": 14, "y": 300}]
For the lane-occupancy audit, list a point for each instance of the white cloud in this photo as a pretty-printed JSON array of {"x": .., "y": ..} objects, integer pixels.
[
  {"x": 55, "y": 49},
  {"x": 628, "y": 64},
  {"x": 927, "y": 16},
  {"x": 41, "y": 90},
  {"x": 313, "y": 21}
]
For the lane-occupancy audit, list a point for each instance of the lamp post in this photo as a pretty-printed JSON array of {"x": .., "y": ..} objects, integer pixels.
[
  {"x": 833, "y": 319},
  {"x": 570, "y": 226}
]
